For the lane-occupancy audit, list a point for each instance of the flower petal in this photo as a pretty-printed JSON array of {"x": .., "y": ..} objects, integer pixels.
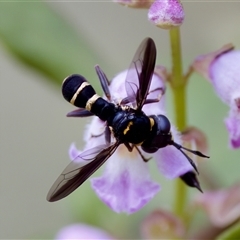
[
  {"x": 73, "y": 152},
  {"x": 232, "y": 123},
  {"x": 125, "y": 185},
  {"x": 222, "y": 68},
  {"x": 170, "y": 161},
  {"x": 82, "y": 231},
  {"x": 224, "y": 74},
  {"x": 203, "y": 62},
  {"x": 94, "y": 131}
]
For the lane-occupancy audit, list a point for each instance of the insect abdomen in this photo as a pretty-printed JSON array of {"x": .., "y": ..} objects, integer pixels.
[
  {"x": 77, "y": 90},
  {"x": 80, "y": 93}
]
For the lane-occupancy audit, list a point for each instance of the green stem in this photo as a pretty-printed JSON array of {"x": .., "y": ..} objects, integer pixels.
[
  {"x": 178, "y": 84},
  {"x": 177, "y": 80},
  {"x": 180, "y": 199}
]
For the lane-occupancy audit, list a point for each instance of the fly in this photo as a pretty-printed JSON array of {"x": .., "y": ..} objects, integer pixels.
[{"x": 128, "y": 125}]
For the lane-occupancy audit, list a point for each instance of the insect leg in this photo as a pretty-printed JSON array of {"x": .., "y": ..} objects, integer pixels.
[
  {"x": 128, "y": 146},
  {"x": 140, "y": 153},
  {"x": 104, "y": 81},
  {"x": 147, "y": 101},
  {"x": 126, "y": 100},
  {"x": 97, "y": 135},
  {"x": 107, "y": 135},
  {"x": 80, "y": 112},
  {"x": 157, "y": 89}
]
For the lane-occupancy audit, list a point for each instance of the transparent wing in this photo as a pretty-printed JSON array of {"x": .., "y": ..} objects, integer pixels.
[
  {"x": 140, "y": 73},
  {"x": 79, "y": 170}
]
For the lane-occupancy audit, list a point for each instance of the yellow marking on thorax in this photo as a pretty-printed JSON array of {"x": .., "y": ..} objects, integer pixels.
[
  {"x": 83, "y": 85},
  {"x": 127, "y": 128},
  {"x": 151, "y": 123},
  {"x": 91, "y": 101}
]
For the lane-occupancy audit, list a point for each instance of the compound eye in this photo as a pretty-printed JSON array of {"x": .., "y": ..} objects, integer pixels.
[{"x": 164, "y": 124}]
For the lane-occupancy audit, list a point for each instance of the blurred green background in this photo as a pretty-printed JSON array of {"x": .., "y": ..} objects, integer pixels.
[{"x": 43, "y": 42}]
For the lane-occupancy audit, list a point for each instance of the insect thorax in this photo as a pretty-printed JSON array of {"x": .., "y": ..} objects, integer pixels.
[{"x": 130, "y": 126}]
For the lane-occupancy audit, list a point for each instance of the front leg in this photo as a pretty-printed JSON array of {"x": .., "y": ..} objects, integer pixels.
[
  {"x": 130, "y": 148},
  {"x": 108, "y": 135},
  {"x": 140, "y": 153}
]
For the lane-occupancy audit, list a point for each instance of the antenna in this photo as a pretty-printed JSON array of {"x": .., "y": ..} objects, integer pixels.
[{"x": 179, "y": 147}]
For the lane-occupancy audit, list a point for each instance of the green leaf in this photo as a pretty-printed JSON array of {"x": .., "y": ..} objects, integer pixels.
[
  {"x": 40, "y": 38},
  {"x": 232, "y": 233}
]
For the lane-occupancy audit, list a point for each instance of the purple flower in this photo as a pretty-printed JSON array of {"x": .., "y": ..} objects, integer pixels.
[
  {"x": 126, "y": 185},
  {"x": 222, "y": 69},
  {"x": 82, "y": 231}
]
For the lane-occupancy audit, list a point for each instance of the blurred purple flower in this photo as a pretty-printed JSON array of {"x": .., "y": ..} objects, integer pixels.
[
  {"x": 82, "y": 231},
  {"x": 222, "y": 206},
  {"x": 126, "y": 185},
  {"x": 194, "y": 138},
  {"x": 222, "y": 69},
  {"x": 162, "y": 224}
]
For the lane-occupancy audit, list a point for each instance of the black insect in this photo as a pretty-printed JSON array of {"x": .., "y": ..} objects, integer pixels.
[{"x": 125, "y": 121}]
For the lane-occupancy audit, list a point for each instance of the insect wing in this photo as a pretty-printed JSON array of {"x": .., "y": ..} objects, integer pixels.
[
  {"x": 104, "y": 82},
  {"x": 140, "y": 73},
  {"x": 79, "y": 170}
]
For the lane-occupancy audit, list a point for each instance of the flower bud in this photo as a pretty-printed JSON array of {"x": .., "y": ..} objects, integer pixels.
[
  {"x": 166, "y": 14},
  {"x": 135, "y": 3}
]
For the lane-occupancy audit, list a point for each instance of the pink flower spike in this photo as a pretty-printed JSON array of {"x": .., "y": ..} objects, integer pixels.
[
  {"x": 82, "y": 231},
  {"x": 166, "y": 14},
  {"x": 135, "y": 3}
]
